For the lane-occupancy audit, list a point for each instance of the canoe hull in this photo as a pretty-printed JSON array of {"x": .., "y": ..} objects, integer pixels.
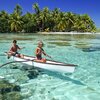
[{"x": 49, "y": 65}]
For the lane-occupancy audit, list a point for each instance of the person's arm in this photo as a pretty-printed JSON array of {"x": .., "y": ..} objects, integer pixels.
[
  {"x": 20, "y": 47},
  {"x": 37, "y": 51},
  {"x": 45, "y": 54}
]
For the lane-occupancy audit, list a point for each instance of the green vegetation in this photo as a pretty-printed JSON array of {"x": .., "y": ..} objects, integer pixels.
[{"x": 44, "y": 20}]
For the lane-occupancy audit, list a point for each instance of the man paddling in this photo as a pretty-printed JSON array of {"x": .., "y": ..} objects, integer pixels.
[
  {"x": 14, "y": 50},
  {"x": 39, "y": 52}
]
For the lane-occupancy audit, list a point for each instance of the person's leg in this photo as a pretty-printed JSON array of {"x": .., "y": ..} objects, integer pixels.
[
  {"x": 42, "y": 60},
  {"x": 9, "y": 55},
  {"x": 21, "y": 55}
]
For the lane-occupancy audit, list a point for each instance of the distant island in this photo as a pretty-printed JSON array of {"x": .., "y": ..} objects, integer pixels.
[{"x": 44, "y": 20}]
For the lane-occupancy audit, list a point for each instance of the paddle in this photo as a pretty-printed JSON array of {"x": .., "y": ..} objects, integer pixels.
[
  {"x": 49, "y": 57},
  {"x": 14, "y": 62}
]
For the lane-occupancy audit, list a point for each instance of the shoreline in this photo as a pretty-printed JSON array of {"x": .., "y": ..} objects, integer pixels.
[
  {"x": 65, "y": 33},
  {"x": 54, "y": 33}
]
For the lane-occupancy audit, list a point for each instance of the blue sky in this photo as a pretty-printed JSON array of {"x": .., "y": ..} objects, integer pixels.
[{"x": 91, "y": 7}]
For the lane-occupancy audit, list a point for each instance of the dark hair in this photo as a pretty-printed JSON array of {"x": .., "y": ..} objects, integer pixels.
[{"x": 14, "y": 41}]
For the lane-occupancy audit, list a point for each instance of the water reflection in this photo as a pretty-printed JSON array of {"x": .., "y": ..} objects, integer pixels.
[
  {"x": 84, "y": 36},
  {"x": 60, "y": 43},
  {"x": 82, "y": 45}
]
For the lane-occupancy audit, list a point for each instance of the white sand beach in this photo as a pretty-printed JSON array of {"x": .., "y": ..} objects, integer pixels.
[{"x": 65, "y": 33}]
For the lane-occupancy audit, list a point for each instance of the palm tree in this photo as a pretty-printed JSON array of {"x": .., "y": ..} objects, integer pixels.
[
  {"x": 61, "y": 22},
  {"x": 18, "y": 9},
  {"x": 43, "y": 20},
  {"x": 16, "y": 23},
  {"x": 37, "y": 16},
  {"x": 70, "y": 19},
  {"x": 36, "y": 8},
  {"x": 55, "y": 15},
  {"x": 84, "y": 23},
  {"x": 30, "y": 22},
  {"x": 89, "y": 24},
  {"x": 44, "y": 17},
  {"x": 4, "y": 25},
  {"x": 56, "y": 12},
  {"x": 16, "y": 19}
]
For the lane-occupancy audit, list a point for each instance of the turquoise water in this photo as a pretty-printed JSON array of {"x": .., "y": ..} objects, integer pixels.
[{"x": 83, "y": 50}]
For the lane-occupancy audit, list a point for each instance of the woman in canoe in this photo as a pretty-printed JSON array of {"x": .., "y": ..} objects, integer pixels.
[
  {"x": 39, "y": 52},
  {"x": 14, "y": 50}
]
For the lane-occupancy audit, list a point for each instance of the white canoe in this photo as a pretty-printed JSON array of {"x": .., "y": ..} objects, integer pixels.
[{"x": 49, "y": 65}]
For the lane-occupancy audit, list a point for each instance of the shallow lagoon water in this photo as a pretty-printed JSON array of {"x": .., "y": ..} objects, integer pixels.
[{"x": 83, "y": 50}]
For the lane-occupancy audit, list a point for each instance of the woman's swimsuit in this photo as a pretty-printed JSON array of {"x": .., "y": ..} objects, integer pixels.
[{"x": 39, "y": 56}]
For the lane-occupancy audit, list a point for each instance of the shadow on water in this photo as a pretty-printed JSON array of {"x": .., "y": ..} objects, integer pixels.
[
  {"x": 86, "y": 47},
  {"x": 62, "y": 77},
  {"x": 92, "y": 49}
]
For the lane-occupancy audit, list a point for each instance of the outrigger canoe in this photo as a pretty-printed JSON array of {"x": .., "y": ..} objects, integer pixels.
[{"x": 49, "y": 65}]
